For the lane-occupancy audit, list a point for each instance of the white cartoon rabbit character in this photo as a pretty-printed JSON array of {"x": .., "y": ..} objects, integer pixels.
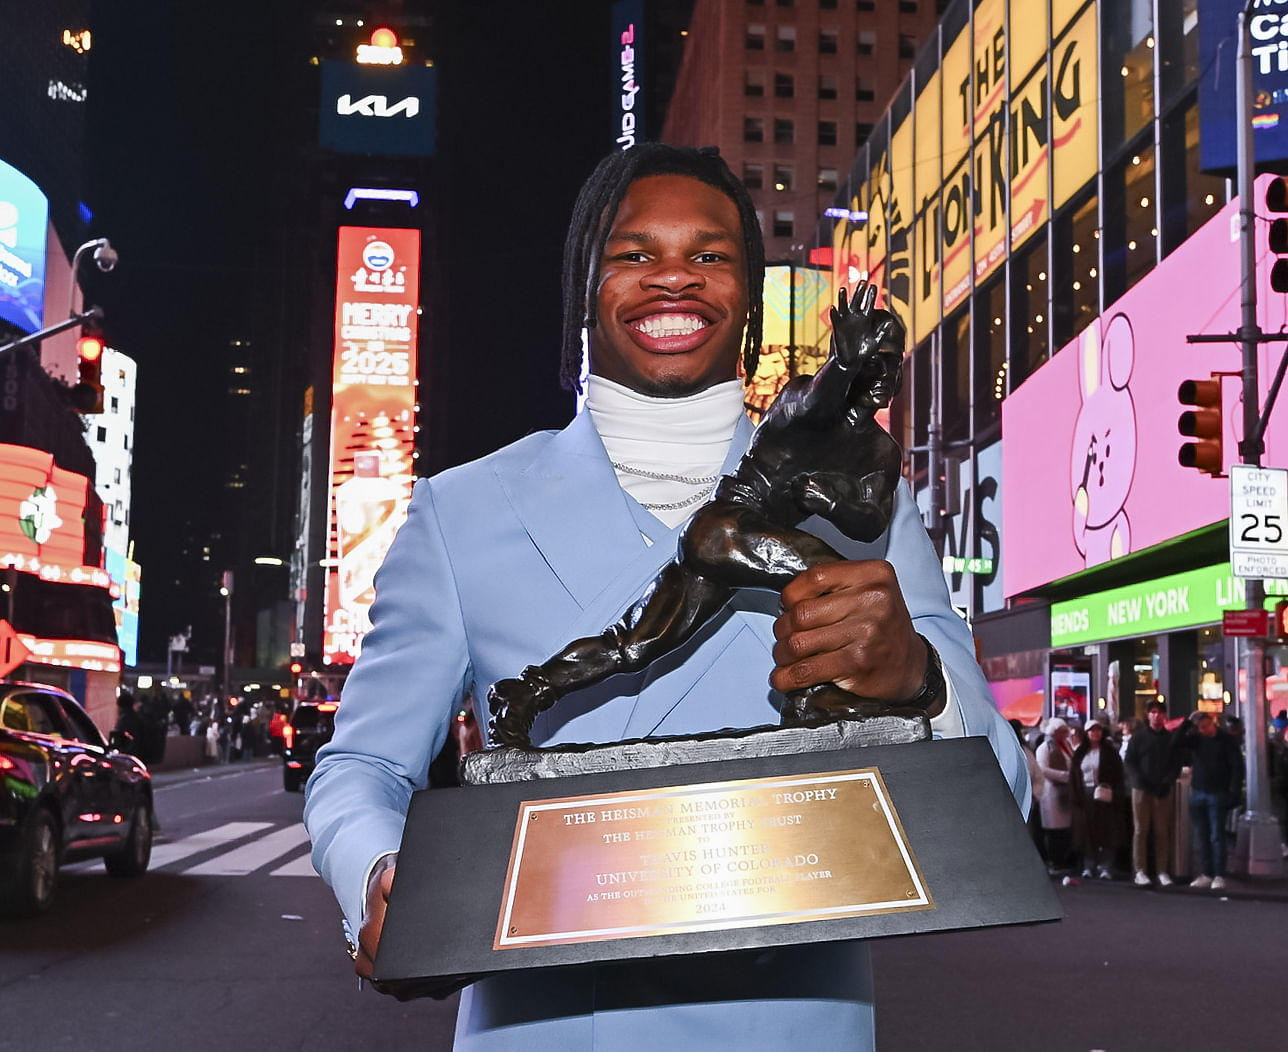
[{"x": 1103, "y": 455}]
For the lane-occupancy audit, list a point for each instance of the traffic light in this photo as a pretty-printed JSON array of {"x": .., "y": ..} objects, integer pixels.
[
  {"x": 295, "y": 668},
  {"x": 1279, "y": 622},
  {"x": 1202, "y": 422},
  {"x": 87, "y": 395},
  {"x": 1277, "y": 201}
]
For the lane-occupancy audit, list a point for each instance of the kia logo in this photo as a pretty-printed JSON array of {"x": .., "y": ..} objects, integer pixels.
[{"x": 376, "y": 106}]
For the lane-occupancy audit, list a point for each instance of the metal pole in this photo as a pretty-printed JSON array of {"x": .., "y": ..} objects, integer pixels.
[
  {"x": 1257, "y": 849},
  {"x": 934, "y": 445},
  {"x": 228, "y": 633}
]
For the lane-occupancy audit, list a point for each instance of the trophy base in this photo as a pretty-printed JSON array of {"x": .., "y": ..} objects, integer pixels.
[{"x": 509, "y": 764}]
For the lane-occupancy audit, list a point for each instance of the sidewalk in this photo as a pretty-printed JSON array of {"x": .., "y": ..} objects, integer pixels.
[{"x": 1237, "y": 886}]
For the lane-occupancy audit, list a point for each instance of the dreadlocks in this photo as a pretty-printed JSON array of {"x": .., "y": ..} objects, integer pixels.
[{"x": 592, "y": 219}]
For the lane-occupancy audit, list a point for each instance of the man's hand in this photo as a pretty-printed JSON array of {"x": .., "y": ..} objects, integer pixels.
[
  {"x": 369, "y": 935},
  {"x": 846, "y": 623},
  {"x": 854, "y": 337}
]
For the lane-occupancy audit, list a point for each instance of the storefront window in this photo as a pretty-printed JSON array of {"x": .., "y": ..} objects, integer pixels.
[
  {"x": 1127, "y": 70},
  {"x": 1030, "y": 325},
  {"x": 1130, "y": 220},
  {"x": 990, "y": 357},
  {"x": 1075, "y": 262},
  {"x": 1190, "y": 197}
]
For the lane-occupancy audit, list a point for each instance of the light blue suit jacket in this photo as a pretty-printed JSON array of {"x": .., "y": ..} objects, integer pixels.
[{"x": 500, "y": 563}]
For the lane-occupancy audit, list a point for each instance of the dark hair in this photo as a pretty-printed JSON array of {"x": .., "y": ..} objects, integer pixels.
[
  {"x": 1156, "y": 704},
  {"x": 592, "y": 217}
]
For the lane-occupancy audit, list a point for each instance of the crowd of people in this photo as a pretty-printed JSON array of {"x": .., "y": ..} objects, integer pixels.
[
  {"x": 1106, "y": 798},
  {"x": 240, "y": 730}
]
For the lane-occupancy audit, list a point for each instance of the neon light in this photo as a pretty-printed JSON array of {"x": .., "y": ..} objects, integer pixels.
[
  {"x": 379, "y": 193},
  {"x": 87, "y": 654},
  {"x": 845, "y": 213}
]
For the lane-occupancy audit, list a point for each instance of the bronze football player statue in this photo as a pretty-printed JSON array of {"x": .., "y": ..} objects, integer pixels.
[{"x": 817, "y": 451}]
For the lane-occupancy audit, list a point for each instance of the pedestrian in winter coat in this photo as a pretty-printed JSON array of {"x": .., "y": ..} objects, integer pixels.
[
  {"x": 1217, "y": 766},
  {"x": 1097, "y": 788},
  {"x": 1153, "y": 763},
  {"x": 1055, "y": 758}
]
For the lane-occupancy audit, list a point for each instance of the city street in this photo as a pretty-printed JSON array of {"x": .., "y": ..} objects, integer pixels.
[{"x": 232, "y": 940}]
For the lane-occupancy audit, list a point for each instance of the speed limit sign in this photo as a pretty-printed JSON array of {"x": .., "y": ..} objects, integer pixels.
[{"x": 1258, "y": 521}]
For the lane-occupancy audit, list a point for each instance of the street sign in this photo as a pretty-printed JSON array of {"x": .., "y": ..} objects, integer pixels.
[
  {"x": 1244, "y": 623},
  {"x": 297, "y": 650},
  {"x": 1258, "y": 521}
]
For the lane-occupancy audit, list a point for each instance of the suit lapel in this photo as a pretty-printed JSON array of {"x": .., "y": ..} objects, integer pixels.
[{"x": 569, "y": 502}]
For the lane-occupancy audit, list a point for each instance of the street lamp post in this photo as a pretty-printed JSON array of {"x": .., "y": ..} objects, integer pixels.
[
  {"x": 104, "y": 256},
  {"x": 226, "y": 590}
]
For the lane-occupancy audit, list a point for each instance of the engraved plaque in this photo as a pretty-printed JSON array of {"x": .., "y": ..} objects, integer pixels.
[{"x": 706, "y": 857}]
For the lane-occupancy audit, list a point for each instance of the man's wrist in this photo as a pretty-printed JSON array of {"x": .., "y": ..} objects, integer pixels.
[{"x": 933, "y": 690}]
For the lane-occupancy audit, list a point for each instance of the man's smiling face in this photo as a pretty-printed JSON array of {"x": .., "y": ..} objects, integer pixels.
[{"x": 672, "y": 297}]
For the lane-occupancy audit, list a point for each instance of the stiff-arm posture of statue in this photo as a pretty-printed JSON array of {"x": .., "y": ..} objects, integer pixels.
[{"x": 817, "y": 451}]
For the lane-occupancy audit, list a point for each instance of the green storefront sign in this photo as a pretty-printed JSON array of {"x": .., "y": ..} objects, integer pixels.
[{"x": 1182, "y": 600}]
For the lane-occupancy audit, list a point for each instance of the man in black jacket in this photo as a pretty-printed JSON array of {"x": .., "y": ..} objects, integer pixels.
[
  {"x": 1217, "y": 767},
  {"x": 1153, "y": 762}
]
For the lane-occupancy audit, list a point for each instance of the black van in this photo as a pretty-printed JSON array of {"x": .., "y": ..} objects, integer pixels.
[{"x": 310, "y": 727}]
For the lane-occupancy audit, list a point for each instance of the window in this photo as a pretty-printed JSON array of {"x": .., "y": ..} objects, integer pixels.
[
  {"x": 753, "y": 129},
  {"x": 115, "y": 404},
  {"x": 784, "y": 132},
  {"x": 1030, "y": 324},
  {"x": 753, "y": 84},
  {"x": 753, "y": 176},
  {"x": 784, "y": 85},
  {"x": 867, "y": 41},
  {"x": 990, "y": 356},
  {"x": 786, "y": 39},
  {"x": 954, "y": 362},
  {"x": 1075, "y": 257},
  {"x": 1190, "y": 197},
  {"x": 1127, "y": 71},
  {"x": 826, "y": 86},
  {"x": 116, "y": 475},
  {"x": 785, "y": 3},
  {"x": 863, "y": 90},
  {"x": 783, "y": 177},
  {"x": 101, "y": 433},
  {"x": 1130, "y": 220},
  {"x": 827, "y": 179},
  {"x": 861, "y": 132},
  {"x": 827, "y": 5},
  {"x": 784, "y": 222},
  {"x": 1178, "y": 47},
  {"x": 827, "y": 133},
  {"x": 907, "y": 7},
  {"x": 755, "y": 38},
  {"x": 755, "y": 3},
  {"x": 865, "y": 5},
  {"x": 907, "y": 46},
  {"x": 828, "y": 40}
]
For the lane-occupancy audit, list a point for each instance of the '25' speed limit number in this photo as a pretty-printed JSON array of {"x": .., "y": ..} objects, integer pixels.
[{"x": 1258, "y": 521}]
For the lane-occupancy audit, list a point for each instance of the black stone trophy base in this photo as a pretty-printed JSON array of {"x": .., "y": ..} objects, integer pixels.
[{"x": 486, "y": 884}]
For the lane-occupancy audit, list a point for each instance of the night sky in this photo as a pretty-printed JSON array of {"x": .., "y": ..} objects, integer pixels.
[{"x": 196, "y": 117}]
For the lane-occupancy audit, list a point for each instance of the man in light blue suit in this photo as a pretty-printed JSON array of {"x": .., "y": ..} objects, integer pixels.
[{"x": 504, "y": 560}]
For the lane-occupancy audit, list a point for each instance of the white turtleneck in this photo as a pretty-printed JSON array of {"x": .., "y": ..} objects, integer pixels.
[{"x": 683, "y": 438}]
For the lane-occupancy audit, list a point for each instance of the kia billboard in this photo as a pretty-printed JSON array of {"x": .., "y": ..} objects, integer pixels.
[
  {"x": 1089, "y": 457},
  {"x": 382, "y": 110},
  {"x": 373, "y": 415},
  {"x": 24, "y": 219}
]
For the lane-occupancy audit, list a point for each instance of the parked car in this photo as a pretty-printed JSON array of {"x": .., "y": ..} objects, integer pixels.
[
  {"x": 309, "y": 728},
  {"x": 65, "y": 795}
]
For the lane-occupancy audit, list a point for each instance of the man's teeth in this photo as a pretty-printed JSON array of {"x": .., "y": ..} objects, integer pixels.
[{"x": 670, "y": 324}]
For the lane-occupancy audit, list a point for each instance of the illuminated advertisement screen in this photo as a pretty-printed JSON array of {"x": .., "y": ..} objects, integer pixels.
[
  {"x": 1103, "y": 481},
  {"x": 373, "y": 400},
  {"x": 1218, "y": 35},
  {"x": 627, "y": 62},
  {"x": 24, "y": 218},
  {"x": 384, "y": 110},
  {"x": 125, "y": 575},
  {"x": 42, "y": 519}
]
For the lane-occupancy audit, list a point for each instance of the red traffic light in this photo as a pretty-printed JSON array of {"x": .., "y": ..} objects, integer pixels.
[
  {"x": 1203, "y": 423},
  {"x": 1277, "y": 201},
  {"x": 296, "y": 668},
  {"x": 89, "y": 348},
  {"x": 1279, "y": 624}
]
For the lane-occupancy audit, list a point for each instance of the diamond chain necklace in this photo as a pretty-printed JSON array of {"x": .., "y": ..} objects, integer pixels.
[{"x": 662, "y": 476}]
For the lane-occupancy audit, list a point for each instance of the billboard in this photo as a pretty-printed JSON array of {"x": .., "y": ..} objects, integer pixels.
[
  {"x": 990, "y": 142},
  {"x": 1096, "y": 476},
  {"x": 383, "y": 110},
  {"x": 42, "y": 519},
  {"x": 24, "y": 220},
  {"x": 126, "y": 575},
  {"x": 627, "y": 71},
  {"x": 373, "y": 412},
  {"x": 1218, "y": 36}
]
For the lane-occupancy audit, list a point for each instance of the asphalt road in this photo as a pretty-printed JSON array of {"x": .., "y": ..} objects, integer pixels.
[{"x": 230, "y": 942}]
